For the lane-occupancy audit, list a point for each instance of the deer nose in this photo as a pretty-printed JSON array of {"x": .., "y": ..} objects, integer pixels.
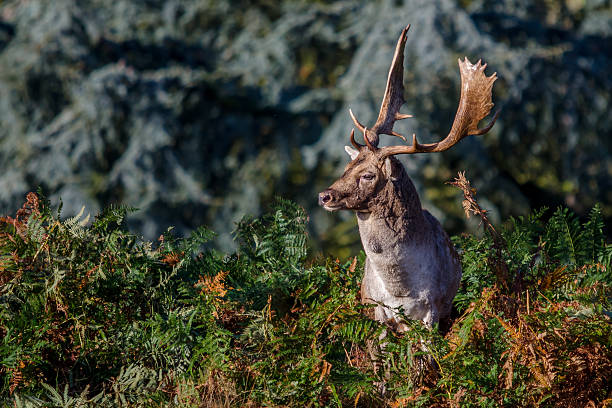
[{"x": 325, "y": 197}]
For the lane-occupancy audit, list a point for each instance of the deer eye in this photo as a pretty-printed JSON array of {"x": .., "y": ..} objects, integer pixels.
[{"x": 368, "y": 176}]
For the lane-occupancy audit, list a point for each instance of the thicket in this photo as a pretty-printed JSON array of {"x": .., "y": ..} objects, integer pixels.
[{"x": 91, "y": 315}]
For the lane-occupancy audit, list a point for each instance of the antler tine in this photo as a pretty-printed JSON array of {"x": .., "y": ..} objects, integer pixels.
[
  {"x": 489, "y": 126},
  {"x": 368, "y": 143},
  {"x": 355, "y": 121},
  {"x": 475, "y": 103},
  {"x": 398, "y": 135},
  {"x": 353, "y": 142},
  {"x": 370, "y": 137},
  {"x": 394, "y": 92}
]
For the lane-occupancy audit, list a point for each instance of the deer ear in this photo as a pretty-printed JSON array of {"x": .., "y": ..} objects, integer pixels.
[
  {"x": 351, "y": 152},
  {"x": 390, "y": 169}
]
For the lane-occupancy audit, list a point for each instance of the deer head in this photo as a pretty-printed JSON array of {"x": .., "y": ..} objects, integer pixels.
[{"x": 372, "y": 167}]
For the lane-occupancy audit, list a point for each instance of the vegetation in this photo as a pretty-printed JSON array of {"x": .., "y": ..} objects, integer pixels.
[{"x": 90, "y": 315}]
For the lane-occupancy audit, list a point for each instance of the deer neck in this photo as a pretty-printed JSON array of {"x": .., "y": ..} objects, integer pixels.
[{"x": 395, "y": 214}]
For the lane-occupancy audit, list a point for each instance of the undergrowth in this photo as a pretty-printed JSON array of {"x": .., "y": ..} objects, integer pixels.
[{"x": 90, "y": 315}]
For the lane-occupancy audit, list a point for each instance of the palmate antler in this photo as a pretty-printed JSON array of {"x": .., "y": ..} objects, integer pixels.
[
  {"x": 393, "y": 99},
  {"x": 475, "y": 104}
]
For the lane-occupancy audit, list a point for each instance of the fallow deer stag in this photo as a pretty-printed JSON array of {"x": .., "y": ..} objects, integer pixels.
[{"x": 411, "y": 263}]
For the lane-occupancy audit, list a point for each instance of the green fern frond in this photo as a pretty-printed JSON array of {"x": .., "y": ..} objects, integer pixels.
[
  {"x": 112, "y": 217},
  {"x": 592, "y": 238}
]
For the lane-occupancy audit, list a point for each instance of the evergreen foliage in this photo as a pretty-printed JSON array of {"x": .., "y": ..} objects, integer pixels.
[{"x": 90, "y": 315}]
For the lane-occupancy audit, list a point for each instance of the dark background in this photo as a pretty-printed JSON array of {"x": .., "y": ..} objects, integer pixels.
[{"x": 199, "y": 112}]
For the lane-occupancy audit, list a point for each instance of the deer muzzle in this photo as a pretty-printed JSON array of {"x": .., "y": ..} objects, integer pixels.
[{"x": 327, "y": 199}]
